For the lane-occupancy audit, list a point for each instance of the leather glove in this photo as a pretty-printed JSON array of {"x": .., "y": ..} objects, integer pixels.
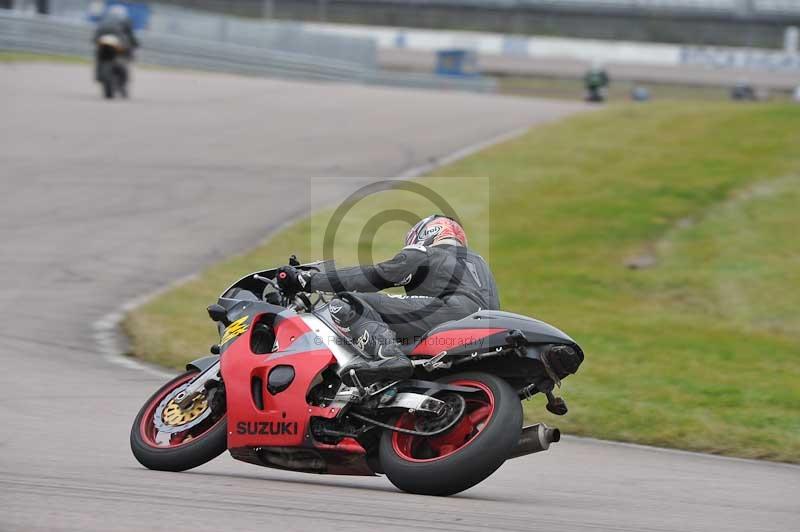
[{"x": 292, "y": 280}]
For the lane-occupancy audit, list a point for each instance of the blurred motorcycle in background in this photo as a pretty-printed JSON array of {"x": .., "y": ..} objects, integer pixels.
[
  {"x": 596, "y": 81},
  {"x": 114, "y": 41},
  {"x": 112, "y": 66}
]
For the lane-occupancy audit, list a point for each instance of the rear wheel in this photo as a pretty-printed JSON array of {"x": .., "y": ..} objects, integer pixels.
[
  {"x": 106, "y": 77},
  {"x": 121, "y": 81},
  {"x": 463, "y": 456},
  {"x": 108, "y": 88},
  {"x": 166, "y": 437}
]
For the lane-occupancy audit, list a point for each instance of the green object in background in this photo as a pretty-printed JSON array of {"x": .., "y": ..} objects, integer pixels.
[
  {"x": 9, "y": 56},
  {"x": 596, "y": 78},
  {"x": 662, "y": 238}
]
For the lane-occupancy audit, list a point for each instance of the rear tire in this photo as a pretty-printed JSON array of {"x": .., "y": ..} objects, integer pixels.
[
  {"x": 462, "y": 467},
  {"x": 108, "y": 88},
  {"x": 105, "y": 75},
  {"x": 202, "y": 448},
  {"x": 121, "y": 77}
]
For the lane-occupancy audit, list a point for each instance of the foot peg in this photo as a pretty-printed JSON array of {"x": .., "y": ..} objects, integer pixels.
[
  {"x": 387, "y": 396},
  {"x": 355, "y": 382},
  {"x": 556, "y": 405}
]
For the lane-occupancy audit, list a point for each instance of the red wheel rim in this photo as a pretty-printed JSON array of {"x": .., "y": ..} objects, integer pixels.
[
  {"x": 148, "y": 430},
  {"x": 479, "y": 410}
]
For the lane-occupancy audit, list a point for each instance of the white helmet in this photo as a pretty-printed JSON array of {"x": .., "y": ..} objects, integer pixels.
[{"x": 117, "y": 12}]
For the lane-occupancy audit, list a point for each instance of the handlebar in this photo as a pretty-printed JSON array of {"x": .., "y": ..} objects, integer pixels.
[
  {"x": 306, "y": 302},
  {"x": 267, "y": 280}
]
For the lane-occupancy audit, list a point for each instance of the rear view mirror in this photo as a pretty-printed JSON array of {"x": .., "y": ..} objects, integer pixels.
[{"x": 218, "y": 313}]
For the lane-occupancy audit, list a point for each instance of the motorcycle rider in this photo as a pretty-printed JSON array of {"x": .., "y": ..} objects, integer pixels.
[
  {"x": 596, "y": 80},
  {"x": 443, "y": 280},
  {"x": 115, "y": 22}
]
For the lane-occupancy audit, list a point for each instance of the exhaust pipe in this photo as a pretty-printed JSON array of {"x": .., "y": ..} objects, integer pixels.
[{"x": 535, "y": 438}]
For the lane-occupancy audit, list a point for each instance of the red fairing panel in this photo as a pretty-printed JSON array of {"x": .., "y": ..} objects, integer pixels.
[
  {"x": 345, "y": 458},
  {"x": 449, "y": 340},
  {"x": 284, "y": 420}
]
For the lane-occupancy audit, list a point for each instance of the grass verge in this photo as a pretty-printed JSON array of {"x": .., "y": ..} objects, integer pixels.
[
  {"x": 695, "y": 348},
  {"x": 8, "y": 56}
]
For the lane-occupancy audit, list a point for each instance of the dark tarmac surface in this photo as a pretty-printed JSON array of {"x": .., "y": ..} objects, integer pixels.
[{"x": 105, "y": 201}]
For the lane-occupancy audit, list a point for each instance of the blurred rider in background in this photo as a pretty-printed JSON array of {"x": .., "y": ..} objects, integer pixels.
[
  {"x": 116, "y": 22},
  {"x": 596, "y": 80},
  {"x": 443, "y": 280}
]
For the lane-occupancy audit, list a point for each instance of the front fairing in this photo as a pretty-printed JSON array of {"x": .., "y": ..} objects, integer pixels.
[
  {"x": 257, "y": 415},
  {"x": 246, "y": 298},
  {"x": 251, "y": 284},
  {"x": 241, "y": 315}
]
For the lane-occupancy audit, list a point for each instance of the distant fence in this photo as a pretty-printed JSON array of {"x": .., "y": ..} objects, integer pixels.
[
  {"x": 62, "y": 36},
  {"x": 282, "y": 36},
  {"x": 732, "y": 7},
  {"x": 755, "y": 23},
  {"x": 585, "y": 50},
  {"x": 751, "y": 23},
  {"x": 742, "y": 8},
  {"x": 181, "y": 22}
]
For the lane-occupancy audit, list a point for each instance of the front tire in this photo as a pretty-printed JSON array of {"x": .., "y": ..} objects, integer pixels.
[
  {"x": 181, "y": 450},
  {"x": 464, "y": 455}
]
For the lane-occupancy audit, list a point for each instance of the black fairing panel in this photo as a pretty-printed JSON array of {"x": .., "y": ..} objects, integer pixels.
[
  {"x": 535, "y": 331},
  {"x": 202, "y": 364},
  {"x": 518, "y": 371}
]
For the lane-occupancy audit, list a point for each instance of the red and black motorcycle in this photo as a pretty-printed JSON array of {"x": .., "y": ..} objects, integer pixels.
[{"x": 271, "y": 395}]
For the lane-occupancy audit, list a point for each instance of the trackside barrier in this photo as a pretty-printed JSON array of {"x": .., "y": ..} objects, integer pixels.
[
  {"x": 586, "y": 50},
  {"x": 42, "y": 34},
  {"x": 224, "y": 29}
]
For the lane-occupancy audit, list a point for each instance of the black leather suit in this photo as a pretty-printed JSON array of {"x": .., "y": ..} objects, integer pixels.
[{"x": 443, "y": 282}]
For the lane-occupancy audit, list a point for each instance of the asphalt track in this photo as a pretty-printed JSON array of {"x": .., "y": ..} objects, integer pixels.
[{"x": 102, "y": 202}]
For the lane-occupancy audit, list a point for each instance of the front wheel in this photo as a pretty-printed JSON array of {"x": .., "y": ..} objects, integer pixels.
[
  {"x": 166, "y": 437},
  {"x": 463, "y": 456}
]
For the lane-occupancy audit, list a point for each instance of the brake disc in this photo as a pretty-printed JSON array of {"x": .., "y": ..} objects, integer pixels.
[
  {"x": 170, "y": 418},
  {"x": 454, "y": 409}
]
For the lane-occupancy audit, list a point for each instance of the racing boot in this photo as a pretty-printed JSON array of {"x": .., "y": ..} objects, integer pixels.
[
  {"x": 388, "y": 368},
  {"x": 375, "y": 339}
]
